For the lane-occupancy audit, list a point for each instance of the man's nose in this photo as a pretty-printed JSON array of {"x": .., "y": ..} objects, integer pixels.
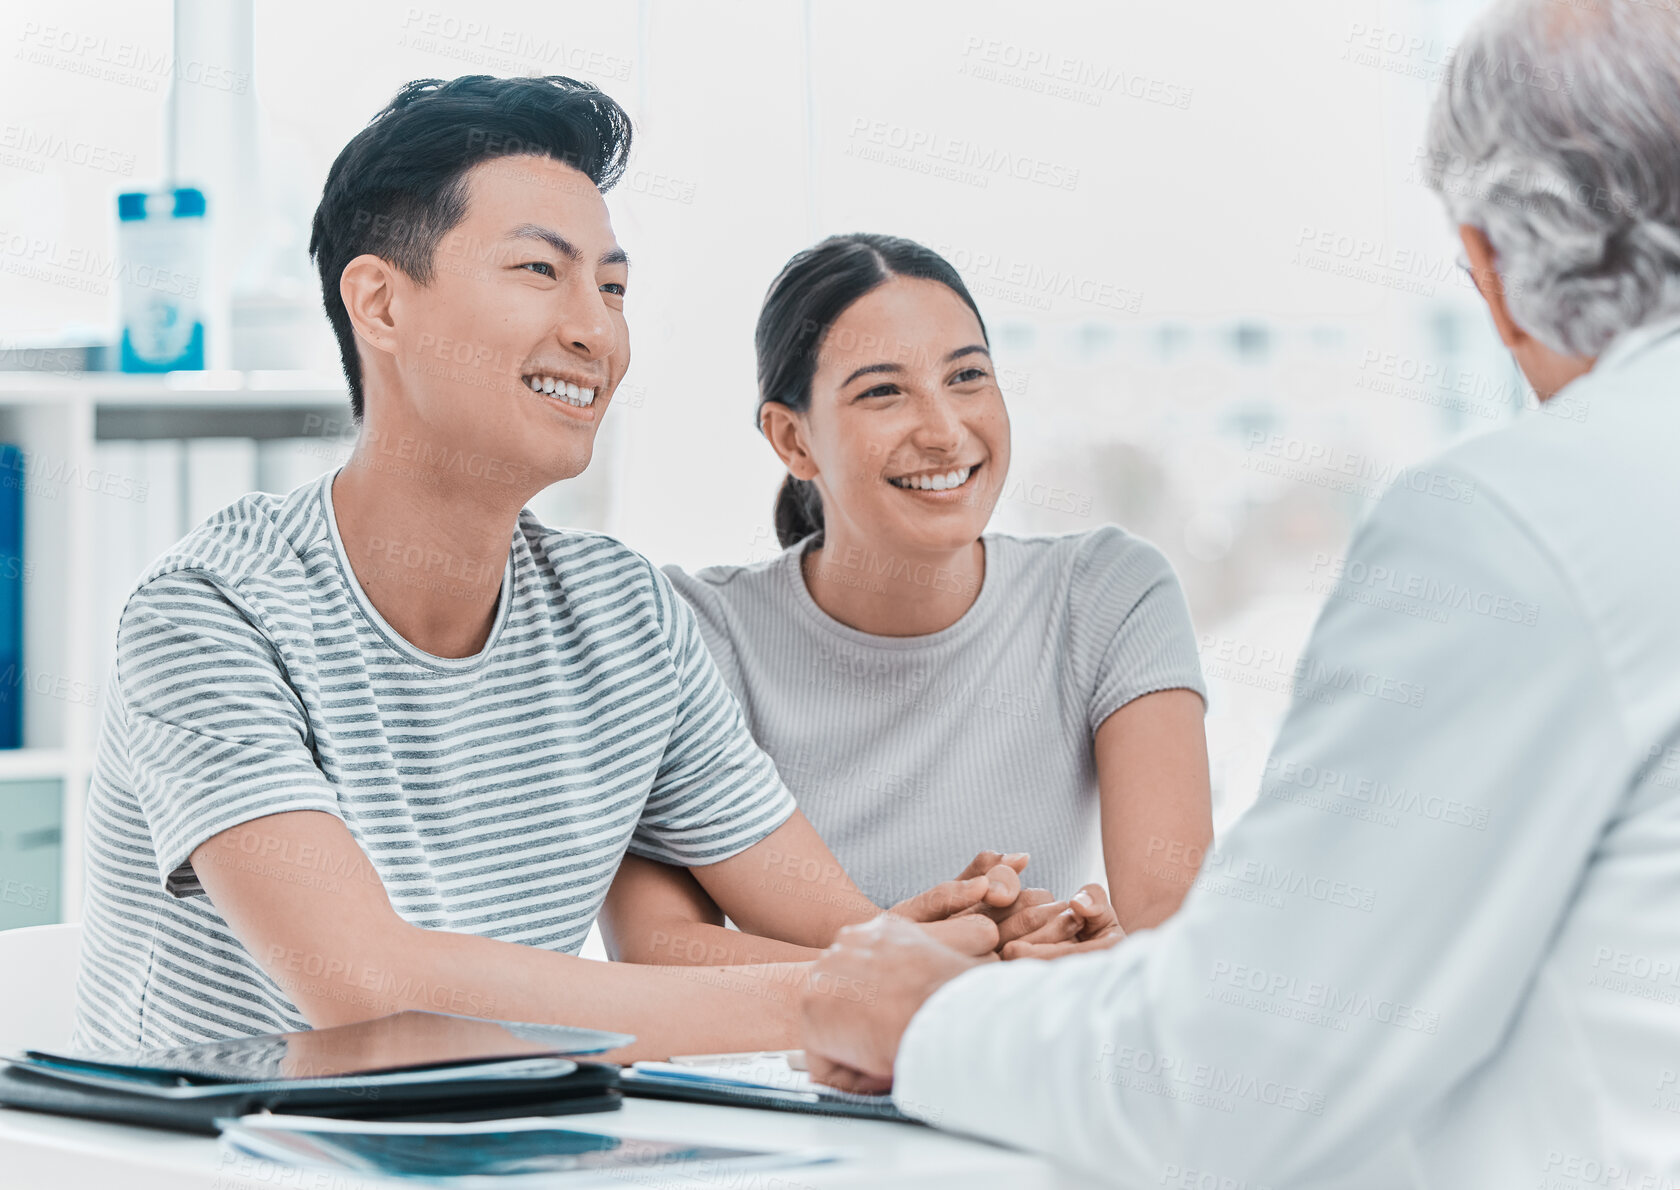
[{"x": 586, "y": 326}]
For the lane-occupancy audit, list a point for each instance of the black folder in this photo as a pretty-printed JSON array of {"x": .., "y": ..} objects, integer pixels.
[{"x": 413, "y": 1066}]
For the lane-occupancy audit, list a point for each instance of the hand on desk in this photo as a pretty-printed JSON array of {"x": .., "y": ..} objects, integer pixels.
[{"x": 851, "y": 1039}]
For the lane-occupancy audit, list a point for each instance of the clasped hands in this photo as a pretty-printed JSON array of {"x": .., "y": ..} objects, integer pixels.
[
  {"x": 987, "y": 901},
  {"x": 889, "y": 966}
]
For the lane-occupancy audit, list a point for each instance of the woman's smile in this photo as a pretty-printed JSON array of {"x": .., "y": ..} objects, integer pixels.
[{"x": 934, "y": 483}]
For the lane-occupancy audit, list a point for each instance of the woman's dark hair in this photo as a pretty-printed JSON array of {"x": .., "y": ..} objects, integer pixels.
[
  {"x": 811, "y": 292},
  {"x": 399, "y": 184}
]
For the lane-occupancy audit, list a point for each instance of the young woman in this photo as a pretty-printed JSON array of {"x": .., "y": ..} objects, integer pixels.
[{"x": 928, "y": 689}]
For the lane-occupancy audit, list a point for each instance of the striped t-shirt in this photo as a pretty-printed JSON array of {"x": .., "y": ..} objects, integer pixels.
[
  {"x": 494, "y": 794},
  {"x": 911, "y": 753}
]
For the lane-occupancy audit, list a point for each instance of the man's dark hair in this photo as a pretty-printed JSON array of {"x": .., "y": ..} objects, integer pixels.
[{"x": 400, "y": 184}]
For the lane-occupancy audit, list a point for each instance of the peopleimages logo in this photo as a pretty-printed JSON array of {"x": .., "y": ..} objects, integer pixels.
[
  {"x": 1344, "y": 574},
  {"x": 1338, "y": 467},
  {"x": 913, "y": 144},
  {"x": 1231, "y": 980},
  {"x": 1383, "y": 796},
  {"x": 1305, "y": 677}
]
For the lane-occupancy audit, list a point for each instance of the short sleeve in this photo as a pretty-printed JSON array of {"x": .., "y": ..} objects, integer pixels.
[
  {"x": 214, "y": 734},
  {"x": 714, "y": 630},
  {"x": 716, "y": 793},
  {"x": 1128, "y": 625}
]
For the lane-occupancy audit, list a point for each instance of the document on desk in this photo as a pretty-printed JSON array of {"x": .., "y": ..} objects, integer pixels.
[
  {"x": 497, "y": 1153},
  {"x": 751, "y": 1080}
]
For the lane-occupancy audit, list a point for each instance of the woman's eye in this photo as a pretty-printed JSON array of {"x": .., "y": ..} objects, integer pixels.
[
  {"x": 541, "y": 266},
  {"x": 880, "y": 390},
  {"x": 969, "y": 375}
]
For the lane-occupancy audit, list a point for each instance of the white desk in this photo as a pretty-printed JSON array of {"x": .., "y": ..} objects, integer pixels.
[{"x": 43, "y": 1152}]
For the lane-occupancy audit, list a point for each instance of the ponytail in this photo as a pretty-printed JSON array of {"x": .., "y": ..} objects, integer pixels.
[{"x": 798, "y": 512}]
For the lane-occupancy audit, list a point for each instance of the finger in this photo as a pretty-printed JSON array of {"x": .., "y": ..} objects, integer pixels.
[
  {"x": 972, "y": 934},
  {"x": 1092, "y": 903},
  {"x": 1034, "y": 896},
  {"x": 985, "y": 861},
  {"x": 1097, "y": 915},
  {"x": 1061, "y": 926},
  {"x": 1030, "y": 920},
  {"x": 1029, "y": 898},
  {"x": 845, "y": 1078},
  {"x": 943, "y": 900},
  {"x": 1004, "y": 885},
  {"x": 982, "y": 863},
  {"x": 1056, "y": 950}
]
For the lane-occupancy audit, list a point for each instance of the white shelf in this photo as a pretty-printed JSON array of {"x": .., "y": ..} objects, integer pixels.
[
  {"x": 173, "y": 389},
  {"x": 63, "y": 418},
  {"x": 33, "y": 764}
]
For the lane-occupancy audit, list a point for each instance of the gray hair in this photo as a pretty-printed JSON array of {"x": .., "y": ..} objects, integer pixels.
[{"x": 1557, "y": 133}]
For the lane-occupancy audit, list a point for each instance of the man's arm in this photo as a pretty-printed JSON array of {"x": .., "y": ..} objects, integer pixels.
[
  {"x": 1367, "y": 931},
  {"x": 339, "y": 950}
]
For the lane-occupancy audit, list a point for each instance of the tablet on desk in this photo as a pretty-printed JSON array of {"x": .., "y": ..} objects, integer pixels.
[
  {"x": 413, "y": 1065},
  {"x": 400, "y": 1042},
  {"x": 774, "y": 1079}
]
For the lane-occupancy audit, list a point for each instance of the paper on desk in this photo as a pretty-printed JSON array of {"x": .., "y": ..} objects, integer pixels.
[{"x": 490, "y": 1154}]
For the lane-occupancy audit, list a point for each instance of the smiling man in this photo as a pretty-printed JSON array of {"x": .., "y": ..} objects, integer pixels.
[{"x": 382, "y": 743}]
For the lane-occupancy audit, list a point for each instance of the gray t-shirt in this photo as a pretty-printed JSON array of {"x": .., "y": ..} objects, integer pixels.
[
  {"x": 494, "y": 794},
  {"x": 910, "y": 754}
]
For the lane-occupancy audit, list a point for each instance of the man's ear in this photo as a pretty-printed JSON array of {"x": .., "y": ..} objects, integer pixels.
[
  {"x": 368, "y": 289},
  {"x": 1485, "y": 274},
  {"x": 786, "y": 431}
]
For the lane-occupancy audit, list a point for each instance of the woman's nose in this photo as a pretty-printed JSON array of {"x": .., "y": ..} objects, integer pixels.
[{"x": 940, "y": 426}]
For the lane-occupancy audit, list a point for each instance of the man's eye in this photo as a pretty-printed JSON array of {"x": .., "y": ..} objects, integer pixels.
[
  {"x": 614, "y": 287},
  {"x": 544, "y": 268}
]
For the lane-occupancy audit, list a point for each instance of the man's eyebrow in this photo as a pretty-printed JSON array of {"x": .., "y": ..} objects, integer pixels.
[{"x": 533, "y": 231}]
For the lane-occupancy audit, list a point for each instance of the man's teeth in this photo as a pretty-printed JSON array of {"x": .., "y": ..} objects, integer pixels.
[
  {"x": 934, "y": 483},
  {"x": 561, "y": 390}
]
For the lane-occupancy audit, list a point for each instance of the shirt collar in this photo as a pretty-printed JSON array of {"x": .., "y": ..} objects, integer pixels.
[{"x": 1634, "y": 342}]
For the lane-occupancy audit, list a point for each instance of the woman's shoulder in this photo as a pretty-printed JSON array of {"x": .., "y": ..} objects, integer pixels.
[
  {"x": 1090, "y": 581},
  {"x": 1082, "y": 555},
  {"x": 734, "y": 585}
]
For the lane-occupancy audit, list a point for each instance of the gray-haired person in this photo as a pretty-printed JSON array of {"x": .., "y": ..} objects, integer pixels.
[{"x": 1483, "y": 979}]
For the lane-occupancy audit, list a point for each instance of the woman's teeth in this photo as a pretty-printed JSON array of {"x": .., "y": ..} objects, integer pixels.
[
  {"x": 561, "y": 390},
  {"x": 934, "y": 483}
]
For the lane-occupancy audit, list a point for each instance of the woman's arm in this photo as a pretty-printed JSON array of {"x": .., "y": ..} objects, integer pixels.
[
  {"x": 1157, "y": 810},
  {"x": 656, "y": 913},
  {"x": 789, "y": 896}
]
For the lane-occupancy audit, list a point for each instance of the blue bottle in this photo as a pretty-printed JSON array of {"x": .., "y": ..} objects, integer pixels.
[{"x": 162, "y": 244}]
